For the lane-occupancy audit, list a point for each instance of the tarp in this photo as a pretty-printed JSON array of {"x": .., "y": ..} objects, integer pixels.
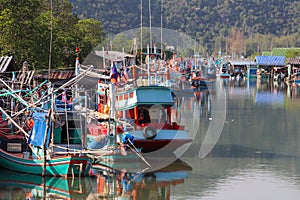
[{"x": 38, "y": 131}]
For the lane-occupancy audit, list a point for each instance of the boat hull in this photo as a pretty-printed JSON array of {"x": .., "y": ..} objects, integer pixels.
[
  {"x": 166, "y": 141},
  {"x": 164, "y": 145},
  {"x": 224, "y": 75},
  {"x": 71, "y": 165}
]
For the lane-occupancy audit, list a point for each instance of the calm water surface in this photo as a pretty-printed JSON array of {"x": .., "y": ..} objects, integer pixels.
[{"x": 246, "y": 146}]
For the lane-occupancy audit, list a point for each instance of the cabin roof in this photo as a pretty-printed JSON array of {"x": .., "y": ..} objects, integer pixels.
[
  {"x": 145, "y": 95},
  {"x": 114, "y": 55},
  {"x": 270, "y": 60}
]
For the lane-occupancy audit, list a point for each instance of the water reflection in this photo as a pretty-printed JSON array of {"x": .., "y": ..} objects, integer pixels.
[
  {"x": 125, "y": 185},
  {"x": 14, "y": 185},
  {"x": 256, "y": 155}
]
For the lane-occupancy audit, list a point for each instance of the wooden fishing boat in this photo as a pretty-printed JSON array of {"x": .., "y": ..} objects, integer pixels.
[
  {"x": 145, "y": 113},
  {"x": 224, "y": 70},
  {"x": 27, "y": 144},
  {"x": 32, "y": 157}
]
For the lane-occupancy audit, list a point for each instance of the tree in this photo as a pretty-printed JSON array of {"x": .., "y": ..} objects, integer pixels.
[
  {"x": 16, "y": 27},
  {"x": 235, "y": 43},
  {"x": 26, "y": 29}
]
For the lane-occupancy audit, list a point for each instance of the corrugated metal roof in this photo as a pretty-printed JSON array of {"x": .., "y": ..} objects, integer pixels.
[
  {"x": 283, "y": 51},
  {"x": 266, "y": 53},
  {"x": 270, "y": 60},
  {"x": 56, "y": 74},
  {"x": 293, "y": 61},
  {"x": 242, "y": 62},
  {"x": 4, "y": 62}
]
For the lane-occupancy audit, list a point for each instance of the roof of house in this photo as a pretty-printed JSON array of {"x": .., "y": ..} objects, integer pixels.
[
  {"x": 270, "y": 60},
  {"x": 5, "y": 62},
  {"x": 293, "y": 61},
  {"x": 267, "y": 53},
  {"x": 56, "y": 74},
  {"x": 242, "y": 62},
  {"x": 282, "y": 51}
]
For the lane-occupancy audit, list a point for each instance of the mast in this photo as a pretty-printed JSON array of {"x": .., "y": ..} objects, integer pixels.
[
  {"x": 161, "y": 27},
  {"x": 150, "y": 24},
  {"x": 141, "y": 31},
  {"x": 51, "y": 38}
]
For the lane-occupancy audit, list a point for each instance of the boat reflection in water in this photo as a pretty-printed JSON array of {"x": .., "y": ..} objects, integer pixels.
[
  {"x": 14, "y": 185},
  {"x": 152, "y": 185}
]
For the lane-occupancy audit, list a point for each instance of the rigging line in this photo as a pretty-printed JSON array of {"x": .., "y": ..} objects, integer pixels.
[
  {"x": 161, "y": 27},
  {"x": 150, "y": 25},
  {"x": 141, "y": 31},
  {"x": 51, "y": 37}
]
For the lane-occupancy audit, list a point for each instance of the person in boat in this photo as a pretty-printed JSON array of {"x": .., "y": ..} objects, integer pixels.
[{"x": 144, "y": 117}]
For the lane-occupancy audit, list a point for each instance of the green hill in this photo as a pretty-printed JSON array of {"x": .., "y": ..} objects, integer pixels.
[{"x": 207, "y": 21}]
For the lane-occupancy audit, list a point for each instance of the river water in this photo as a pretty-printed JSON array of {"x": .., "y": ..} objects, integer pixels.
[{"x": 246, "y": 145}]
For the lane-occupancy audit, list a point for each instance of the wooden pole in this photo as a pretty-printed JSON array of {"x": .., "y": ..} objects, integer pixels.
[{"x": 45, "y": 141}]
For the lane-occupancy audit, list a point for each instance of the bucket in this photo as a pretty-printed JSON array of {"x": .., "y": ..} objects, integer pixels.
[{"x": 26, "y": 155}]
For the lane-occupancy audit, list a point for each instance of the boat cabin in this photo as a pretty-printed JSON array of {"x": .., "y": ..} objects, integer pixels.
[
  {"x": 145, "y": 105},
  {"x": 139, "y": 106}
]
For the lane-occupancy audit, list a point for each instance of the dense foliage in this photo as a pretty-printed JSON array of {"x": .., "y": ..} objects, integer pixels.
[
  {"x": 260, "y": 25},
  {"x": 45, "y": 33}
]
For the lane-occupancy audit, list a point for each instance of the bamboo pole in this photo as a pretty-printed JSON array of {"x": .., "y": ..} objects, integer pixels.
[{"x": 45, "y": 141}]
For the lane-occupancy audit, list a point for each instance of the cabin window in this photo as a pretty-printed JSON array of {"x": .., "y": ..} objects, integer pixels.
[{"x": 131, "y": 95}]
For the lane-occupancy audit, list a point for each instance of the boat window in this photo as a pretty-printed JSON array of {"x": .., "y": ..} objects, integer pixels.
[{"x": 131, "y": 95}]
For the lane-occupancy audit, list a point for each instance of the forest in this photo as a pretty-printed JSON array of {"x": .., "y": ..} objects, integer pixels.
[
  {"x": 46, "y": 33},
  {"x": 236, "y": 27}
]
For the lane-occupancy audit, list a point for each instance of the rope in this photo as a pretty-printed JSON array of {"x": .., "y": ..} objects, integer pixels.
[{"x": 134, "y": 149}]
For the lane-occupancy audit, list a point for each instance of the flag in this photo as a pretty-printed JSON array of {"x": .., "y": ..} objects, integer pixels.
[{"x": 114, "y": 75}]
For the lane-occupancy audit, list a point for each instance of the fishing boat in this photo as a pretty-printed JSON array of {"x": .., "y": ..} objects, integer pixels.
[
  {"x": 145, "y": 113},
  {"x": 35, "y": 157},
  {"x": 224, "y": 71},
  {"x": 128, "y": 97},
  {"x": 225, "y": 68},
  {"x": 27, "y": 143},
  {"x": 15, "y": 185}
]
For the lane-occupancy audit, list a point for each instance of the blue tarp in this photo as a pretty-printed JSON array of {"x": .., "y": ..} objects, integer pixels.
[
  {"x": 38, "y": 131},
  {"x": 270, "y": 60}
]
